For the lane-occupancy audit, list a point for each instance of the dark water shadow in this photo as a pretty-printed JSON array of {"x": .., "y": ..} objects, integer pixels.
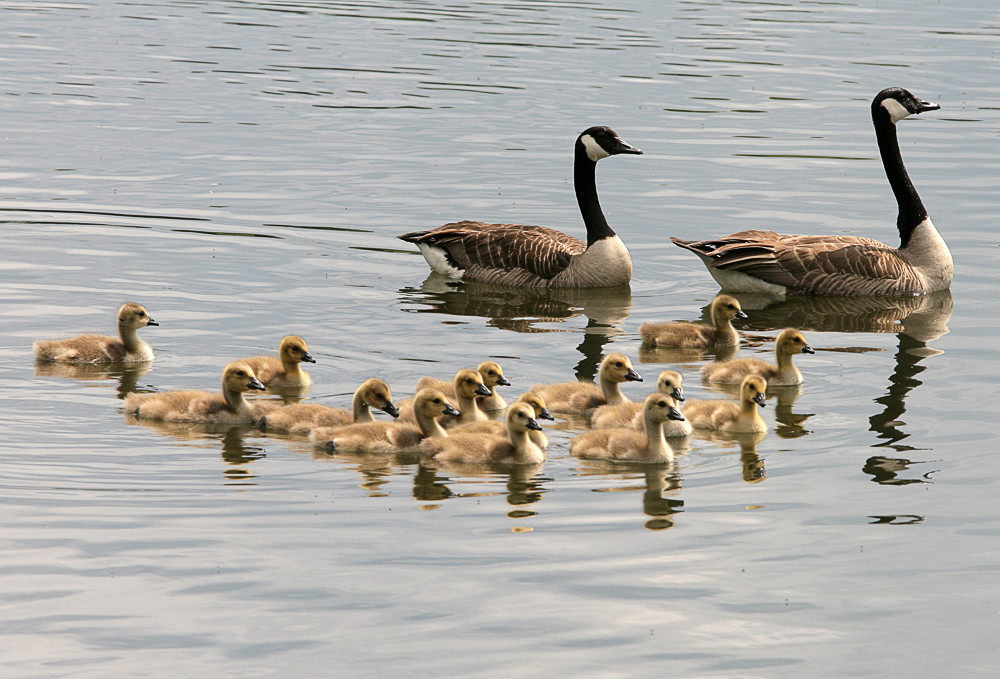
[
  {"x": 127, "y": 375},
  {"x": 659, "y": 484},
  {"x": 228, "y": 439},
  {"x": 916, "y": 321},
  {"x": 529, "y": 310}
]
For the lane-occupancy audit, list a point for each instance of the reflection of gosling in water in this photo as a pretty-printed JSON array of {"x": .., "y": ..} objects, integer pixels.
[
  {"x": 126, "y": 348},
  {"x": 388, "y": 437},
  {"x": 730, "y": 416},
  {"x": 499, "y": 428},
  {"x": 283, "y": 371},
  {"x": 484, "y": 448},
  {"x": 492, "y": 375},
  {"x": 720, "y": 333},
  {"x": 629, "y": 445},
  {"x": 229, "y": 407},
  {"x": 629, "y": 415},
  {"x": 789, "y": 343},
  {"x": 583, "y": 397},
  {"x": 301, "y": 418}
]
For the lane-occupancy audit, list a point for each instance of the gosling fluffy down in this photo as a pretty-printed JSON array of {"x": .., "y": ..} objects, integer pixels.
[
  {"x": 629, "y": 445},
  {"x": 499, "y": 427},
  {"x": 789, "y": 343},
  {"x": 229, "y": 407},
  {"x": 482, "y": 448},
  {"x": 492, "y": 375},
  {"x": 388, "y": 437},
  {"x": 283, "y": 371},
  {"x": 629, "y": 415},
  {"x": 730, "y": 416},
  {"x": 126, "y": 348},
  {"x": 584, "y": 397},
  {"x": 698, "y": 335},
  {"x": 301, "y": 418}
]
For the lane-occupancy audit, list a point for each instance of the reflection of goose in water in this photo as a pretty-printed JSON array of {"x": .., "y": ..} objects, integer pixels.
[
  {"x": 751, "y": 465},
  {"x": 127, "y": 374},
  {"x": 924, "y": 317},
  {"x": 657, "y": 480},
  {"x": 204, "y": 435},
  {"x": 436, "y": 480},
  {"x": 528, "y": 310}
]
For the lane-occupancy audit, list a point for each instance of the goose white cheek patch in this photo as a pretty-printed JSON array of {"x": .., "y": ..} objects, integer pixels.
[
  {"x": 594, "y": 150},
  {"x": 896, "y": 110}
]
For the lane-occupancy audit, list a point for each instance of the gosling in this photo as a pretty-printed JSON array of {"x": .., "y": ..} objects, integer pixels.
[
  {"x": 301, "y": 418},
  {"x": 585, "y": 397},
  {"x": 497, "y": 427},
  {"x": 629, "y": 445},
  {"x": 229, "y": 407},
  {"x": 467, "y": 386},
  {"x": 698, "y": 335},
  {"x": 283, "y": 371},
  {"x": 389, "y": 437},
  {"x": 482, "y": 448},
  {"x": 789, "y": 343},
  {"x": 126, "y": 348},
  {"x": 729, "y": 416},
  {"x": 492, "y": 375},
  {"x": 629, "y": 415}
]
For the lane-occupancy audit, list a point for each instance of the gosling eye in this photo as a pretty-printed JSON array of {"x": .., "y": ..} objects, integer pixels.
[
  {"x": 437, "y": 400},
  {"x": 618, "y": 364},
  {"x": 662, "y": 404},
  {"x": 240, "y": 373},
  {"x": 142, "y": 314}
]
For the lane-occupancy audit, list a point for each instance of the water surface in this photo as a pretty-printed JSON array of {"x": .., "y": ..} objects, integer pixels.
[{"x": 242, "y": 169}]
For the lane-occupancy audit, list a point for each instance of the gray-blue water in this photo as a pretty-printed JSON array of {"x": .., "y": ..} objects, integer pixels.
[{"x": 242, "y": 168}]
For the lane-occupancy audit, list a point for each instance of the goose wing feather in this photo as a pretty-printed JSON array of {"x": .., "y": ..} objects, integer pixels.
[
  {"x": 470, "y": 245},
  {"x": 802, "y": 262}
]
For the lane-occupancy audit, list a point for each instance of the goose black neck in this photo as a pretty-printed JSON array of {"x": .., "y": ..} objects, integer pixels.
[
  {"x": 911, "y": 209},
  {"x": 586, "y": 195}
]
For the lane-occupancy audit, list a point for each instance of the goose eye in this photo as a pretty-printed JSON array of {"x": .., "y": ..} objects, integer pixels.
[
  {"x": 437, "y": 400},
  {"x": 618, "y": 364},
  {"x": 241, "y": 373},
  {"x": 662, "y": 404},
  {"x": 141, "y": 314}
]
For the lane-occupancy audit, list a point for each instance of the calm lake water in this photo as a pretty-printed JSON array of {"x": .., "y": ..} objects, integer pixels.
[{"x": 242, "y": 168}]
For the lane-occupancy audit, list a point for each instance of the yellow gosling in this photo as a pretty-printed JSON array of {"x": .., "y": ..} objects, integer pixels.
[
  {"x": 388, "y": 437},
  {"x": 283, "y": 371},
  {"x": 730, "y": 416},
  {"x": 789, "y": 343},
  {"x": 301, "y": 418},
  {"x": 126, "y": 348},
  {"x": 483, "y": 448},
  {"x": 584, "y": 397},
  {"x": 629, "y": 445},
  {"x": 629, "y": 415},
  {"x": 229, "y": 407},
  {"x": 699, "y": 335}
]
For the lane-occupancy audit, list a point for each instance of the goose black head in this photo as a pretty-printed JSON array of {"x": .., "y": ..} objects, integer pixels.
[
  {"x": 899, "y": 103},
  {"x": 601, "y": 142}
]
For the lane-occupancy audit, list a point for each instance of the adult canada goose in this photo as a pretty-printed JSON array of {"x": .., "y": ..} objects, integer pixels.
[
  {"x": 492, "y": 375},
  {"x": 698, "y": 335},
  {"x": 763, "y": 261},
  {"x": 498, "y": 427},
  {"x": 388, "y": 437},
  {"x": 126, "y": 348},
  {"x": 730, "y": 416},
  {"x": 229, "y": 407},
  {"x": 584, "y": 397},
  {"x": 629, "y": 445},
  {"x": 283, "y": 371},
  {"x": 789, "y": 343},
  {"x": 301, "y": 418},
  {"x": 536, "y": 256},
  {"x": 483, "y": 448},
  {"x": 629, "y": 415}
]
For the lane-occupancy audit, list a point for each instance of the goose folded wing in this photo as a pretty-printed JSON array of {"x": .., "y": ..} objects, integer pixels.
[{"x": 542, "y": 251}]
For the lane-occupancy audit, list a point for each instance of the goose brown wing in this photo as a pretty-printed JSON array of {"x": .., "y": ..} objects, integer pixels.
[
  {"x": 542, "y": 251},
  {"x": 800, "y": 262}
]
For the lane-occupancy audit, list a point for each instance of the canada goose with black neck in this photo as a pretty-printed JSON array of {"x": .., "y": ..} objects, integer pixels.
[
  {"x": 537, "y": 256},
  {"x": 764, "y": 261}
]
